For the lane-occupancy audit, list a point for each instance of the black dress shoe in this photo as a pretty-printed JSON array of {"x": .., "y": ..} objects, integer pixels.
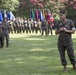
[{"x": 74, "y": 67}]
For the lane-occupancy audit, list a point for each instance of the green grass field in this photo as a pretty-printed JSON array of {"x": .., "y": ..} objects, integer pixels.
[{"x": 33, "y": 54}]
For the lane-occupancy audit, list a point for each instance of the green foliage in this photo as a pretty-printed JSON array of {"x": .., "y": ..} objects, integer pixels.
[
  {"x": 9, "y": 4},
  {"x": 25, "y": 5},
  {"x": 71, "y": 11}
]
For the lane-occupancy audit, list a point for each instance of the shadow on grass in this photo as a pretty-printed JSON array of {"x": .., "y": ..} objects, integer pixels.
[{"x": 31, "y": 55}]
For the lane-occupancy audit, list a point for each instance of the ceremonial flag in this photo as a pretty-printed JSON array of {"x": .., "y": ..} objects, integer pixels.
[
  {"x": 41, "y": 17},
  {"x": 50, "y": 17},
  {"x": 44, "y": 13},
  {"x": 1, "y": 18},
  {"x": 37, "y": 13},
  {"x": 32, "y": 14},
  {"x": 4, "y": 14},
  {"x": 10, "y": 16}
]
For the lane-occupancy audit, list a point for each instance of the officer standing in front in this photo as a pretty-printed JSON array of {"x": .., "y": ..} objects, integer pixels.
[
  {"x": 65, "y": 28},
  {"x": 1, "y": 37},
  {"x": 5, "y": 31}
]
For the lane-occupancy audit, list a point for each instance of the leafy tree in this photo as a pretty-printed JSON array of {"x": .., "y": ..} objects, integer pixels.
[
  {"x": 53, "y": 5},
  {"x": 70, "y": 6},
  {"x": 26, "y": 5},
  {"x": 9, "y": 4}
]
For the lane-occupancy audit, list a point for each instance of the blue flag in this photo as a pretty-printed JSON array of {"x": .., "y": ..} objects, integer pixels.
[
  {"x": 4, "y": 15},
  {"x": 1, "y": 18},
  {"x": 10, "y": 16},
  {"x": 41, "y": 17}
]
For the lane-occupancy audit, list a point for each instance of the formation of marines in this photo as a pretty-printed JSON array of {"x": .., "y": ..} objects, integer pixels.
[{"x": 21, "y": 25}]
